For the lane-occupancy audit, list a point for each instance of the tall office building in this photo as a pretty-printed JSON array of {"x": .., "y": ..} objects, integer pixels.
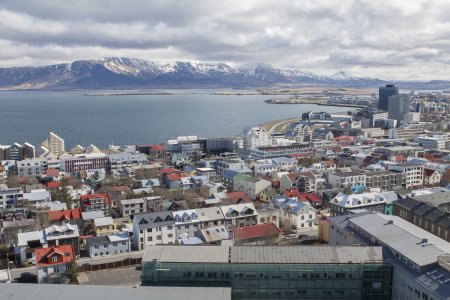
[
  {"x": 53, "y": 144},
  {"x": 398, "y": 107},
  {"x": 384, "y": 93}
]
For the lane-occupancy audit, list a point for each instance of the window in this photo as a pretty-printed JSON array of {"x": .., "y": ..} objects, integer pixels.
[
  {"x": 158, "y": 237},
  {"x": 55, "y": 258}
]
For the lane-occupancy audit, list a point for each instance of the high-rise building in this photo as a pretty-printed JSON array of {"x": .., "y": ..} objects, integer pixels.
[
  {"x": 384, "y": 93},
  {"x": 53, "y": 144},
  {"x": 398, "y": 107}
]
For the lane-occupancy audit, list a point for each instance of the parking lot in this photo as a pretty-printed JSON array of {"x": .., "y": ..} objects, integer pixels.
[{"x": 122, "y": 277}]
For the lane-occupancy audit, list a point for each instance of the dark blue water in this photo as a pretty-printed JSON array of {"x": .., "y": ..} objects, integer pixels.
[{"x": 27, "y": 116}]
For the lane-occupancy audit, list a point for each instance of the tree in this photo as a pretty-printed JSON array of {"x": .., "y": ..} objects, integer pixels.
[
  {"x": 72, "y": 271},
  {"x": 62, "y": 194}
]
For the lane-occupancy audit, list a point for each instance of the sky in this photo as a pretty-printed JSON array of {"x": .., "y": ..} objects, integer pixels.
[{"x": 401, "y": 39}]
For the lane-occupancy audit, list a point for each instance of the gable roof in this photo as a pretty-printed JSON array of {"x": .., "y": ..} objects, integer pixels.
[
  {"x": 256, "y": 231},
  {"x": 65, "y": 254},
  {"x": 238, "y": 197},
  {"x": 64, "y": 215},
  {"x": 85, "y": 198}
]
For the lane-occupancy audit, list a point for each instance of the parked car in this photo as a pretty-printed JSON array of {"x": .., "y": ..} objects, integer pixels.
[{"x": 27, "y": 277}]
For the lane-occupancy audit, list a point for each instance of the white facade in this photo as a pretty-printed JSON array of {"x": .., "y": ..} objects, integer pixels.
[
  {"x": 432, "y": 142},
  {"x": 256, "y": 137},
  {"x": 31, "y": 167},
  {"x": 413, "y": 174},
  {"x": 298, "y": 215},
  {"x": 151, "y": 229},
  {"x": 186, "y": 222},
  {"x": 53, "y": 144}
]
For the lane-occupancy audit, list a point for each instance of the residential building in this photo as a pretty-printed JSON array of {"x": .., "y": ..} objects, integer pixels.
[
  {"x": 272, "y": 272},
  {"x": 151, "y": 229},
  {"x": 129, "y": 207},
  {"x": 51, "y": 263},
  {"x": 108, "y": 245},
  {"x": 268, "y": 214},
  {"x": 267, "y": 152},
  {"x": 256, "y": 137},
  {"x": 405, "y": 132},
  {"x": 431, "y": 177},
  {"x": 239, "y": 215},
  {"x": 104, "y": 226},
  {"x": 53, "y": 144},
  {"x": 339, "y": 179},
  {"x": 187, "y": 222},
  {"x": 295, "y": 214},
  {"x": 37, "y": 197},
  {"x": 210, "y": 217},
  {"x": 54, "y": 235},
  {"x": 11, "y": 198},
  {"x": 343, "y": 203},
  {"x": 384, "y": 180},
  {"x": 98, "y": 201},
  {"x": 304, "y": 182},
  {"x": 436, "y": 142},
  {"x": 126, "y": 159},
  {"x": 412, "y": 174},
  {"x": 31, "y": 167}
]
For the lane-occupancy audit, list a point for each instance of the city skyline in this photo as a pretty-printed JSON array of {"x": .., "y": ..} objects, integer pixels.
[{"x": 395, "y": 41}]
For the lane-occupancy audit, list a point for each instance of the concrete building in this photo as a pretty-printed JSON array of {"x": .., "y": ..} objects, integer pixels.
[
  {"x": 436, "y": 142},
  {"x": 126, "y": 159},
  {"x": 295, "y": 214},
  {"x": 384, "y": 94},
  {"x": 11, "y": 198},
  {"x": 186, "y": 222},
  {"x": 340, "y": 179},
  {"x": 129, "y": 207},
  {"x": 257, "y": 137},
  {"x": 151, "y": 229},
  {"x": 412, "y": 174},
  {"x": 31, "y": 167},
  {"x": 84, "y": 162},
  {"x": 398, "y": 107},
  {"x": 343, "y": 203},
  {"x": 239, "y": 215},
  {"x": 210, "y": 217},
  {"x": 108, "y": 245},
  {"x": 53, "y": 144},
  {"x": 420, "y": 259},
  {"x": 405, "y": 132},
  {"x": 272, "y": 272}
]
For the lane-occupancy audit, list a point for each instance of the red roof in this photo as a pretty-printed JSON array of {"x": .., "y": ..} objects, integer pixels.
[
  {"x": 53, "y": 184},
  {"x": 238, "y": 197},
  {"x": 174, "y": 177},
  {"x": 428, "y": 172},
  {"x": 256, "y": 231},
  {"x": 310, "y": 196},
  {"x": 53, "y": 172},
  {"x": 85, "y": 198},
  {"x": 55, "y": 255},
  {"x": 168, "y": 171},
  {"x": 157, "y": 147},
  {"x": 64, "y": 215},
  {"x": 400, "y": 158},
  {"x": 121, "y": 188}
]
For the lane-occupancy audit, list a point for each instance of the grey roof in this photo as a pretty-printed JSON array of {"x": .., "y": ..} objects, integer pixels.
[
  {"x": 91, "y": 215},
  {"x": 154, "y": 219},
  {"x": 210, "y": 213},
  {"x": 263, "y": 254},
  {"x": 403, "y": 237},
  {"x": 132, "y": 201},
  {"x": 187, "y": 254},
  {"x": 105, "y": 221},
  {"x": 304, "y": 254},
  {"x": 18, "y": 291},
  {"x": 434, "y": 198}
]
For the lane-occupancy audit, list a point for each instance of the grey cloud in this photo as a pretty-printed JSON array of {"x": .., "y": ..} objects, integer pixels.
[{"x": 363, "y": 37}]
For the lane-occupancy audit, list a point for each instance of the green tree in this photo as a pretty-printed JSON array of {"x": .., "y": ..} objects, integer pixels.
[
  {"x": 62, "y": 194},
  {"x": 72, "y": 271}
]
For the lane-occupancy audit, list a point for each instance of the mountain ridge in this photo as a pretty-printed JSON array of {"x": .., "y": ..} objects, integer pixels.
[{"x": 132, "y": 73}]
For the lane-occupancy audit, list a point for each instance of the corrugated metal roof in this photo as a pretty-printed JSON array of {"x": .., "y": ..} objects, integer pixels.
[
  {"x": 187, "y": 254},
  {"x": 17, "y": 291}
]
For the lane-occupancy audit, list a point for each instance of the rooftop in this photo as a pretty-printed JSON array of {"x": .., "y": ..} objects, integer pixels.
[
  {"x": 263, "y": 254},
  {"x": 17, "y": 291}
]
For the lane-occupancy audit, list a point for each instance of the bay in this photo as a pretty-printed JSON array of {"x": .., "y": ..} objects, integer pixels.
[{"x": 28, "y": 116}]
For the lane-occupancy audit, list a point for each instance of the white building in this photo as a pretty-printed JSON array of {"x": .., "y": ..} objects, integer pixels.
[
  {"x": 412, "y": 174},
  {"x": 297, "y": 215},
  {"x": 53, "y": 144},
  {"x": 186, "y": 222},
  {"x": 257, "y": 137},
  {"x": 31, "y": 167},
  {"x": 130, "y": 207},
  {"x": 151, "y": 229},
  {"x": 432, "y": 142},
  {"x": 239, "y": 215}
]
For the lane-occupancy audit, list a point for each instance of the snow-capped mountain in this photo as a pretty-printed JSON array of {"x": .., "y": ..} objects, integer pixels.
[{"x": 130, "y": 73}]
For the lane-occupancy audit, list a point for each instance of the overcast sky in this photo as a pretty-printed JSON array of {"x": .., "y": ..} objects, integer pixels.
[{"x": 400, "y": 39}]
